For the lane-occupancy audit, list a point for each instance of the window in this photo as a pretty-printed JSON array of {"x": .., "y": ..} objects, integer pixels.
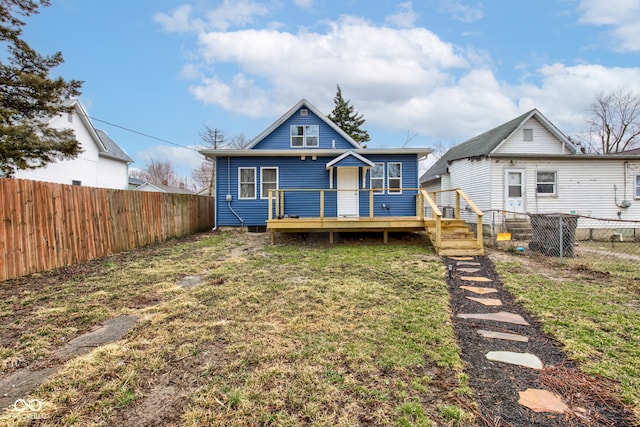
[
  {"x": 268, "y": 181},
  {"x": 305, "y": 136},
  {"x": 527, "y": 134},
  {"x": 394, "y": 177},
  {"x": 76, "y": 182},
  {"x": 638, "y": 186},
  {"x": 546, "y": 183},
  {"x": 377, "y": 178},
  {"x": 247, "y": 183}
]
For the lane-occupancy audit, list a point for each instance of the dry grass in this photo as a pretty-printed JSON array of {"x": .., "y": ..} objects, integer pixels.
[
  {"x": 591, "y": 305},
  {"x": 294, "y": 334}
]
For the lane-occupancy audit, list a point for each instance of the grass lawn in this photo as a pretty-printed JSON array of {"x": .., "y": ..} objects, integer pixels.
[
  {"x": 591, "y": 305},
  {"x": 286, "y": 335}
]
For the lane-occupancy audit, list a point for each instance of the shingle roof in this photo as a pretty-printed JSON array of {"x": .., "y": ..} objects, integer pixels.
[
  {"x": 113, "y": 150},
  {"x": 483, "y": 144}
]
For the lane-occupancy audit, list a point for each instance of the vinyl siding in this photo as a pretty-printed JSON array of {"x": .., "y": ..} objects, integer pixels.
[
  {"x": 472, "y": 177},
  {"x": 298, "y": 174},
  {"x": 280, "y": 138},
  {"x": 543, "y": 141}
]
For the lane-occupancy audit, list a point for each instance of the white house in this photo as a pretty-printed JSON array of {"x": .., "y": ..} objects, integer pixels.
[
  {"x": 102, "y": 162},
  {"x": 528, "y": 166}
]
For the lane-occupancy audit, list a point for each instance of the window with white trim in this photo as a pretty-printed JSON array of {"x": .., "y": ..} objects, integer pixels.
[
  {"x": 268, "y": 181},
  {"x": 377, "y": 178},
  {"x": 546, "y": 183},
  {"x": 527, "y": 134},
  {"x": 638, "y": 186},
  {"x": 305, "y": 136},
  {"x": 394, "y": 178},
  {"x": 246, "y": 183}
]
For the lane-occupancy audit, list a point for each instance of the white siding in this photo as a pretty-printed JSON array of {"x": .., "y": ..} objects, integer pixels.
[
  {"x": 544, "y": 142},
  {"x": 472, "y": 177},
  {"x": 584, "y": 187},
  {"x": 88, "y": 168}
]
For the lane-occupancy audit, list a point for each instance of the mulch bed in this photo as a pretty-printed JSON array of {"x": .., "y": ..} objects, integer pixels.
[{"x": 594, "y": 401}]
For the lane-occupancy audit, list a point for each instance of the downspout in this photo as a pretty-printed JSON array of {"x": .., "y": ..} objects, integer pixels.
[
  {"x": 229, "y": 196},
  {"x": 215, "y": 194}
]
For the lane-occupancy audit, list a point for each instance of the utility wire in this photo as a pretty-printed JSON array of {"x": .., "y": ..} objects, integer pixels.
[{"x": 141, "y": 133}]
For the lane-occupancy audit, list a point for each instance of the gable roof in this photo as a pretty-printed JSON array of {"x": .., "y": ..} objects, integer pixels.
[
  {"x": 161, "y": 188},
  {"x": 113, "y": 150},
  {"x": 359, "y": 160},
  {"x": 302, "y": 103},
  {"x": 486, "y": 143}
]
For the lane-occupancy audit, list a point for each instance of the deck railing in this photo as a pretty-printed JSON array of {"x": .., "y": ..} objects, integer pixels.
[
  {"x": 276, "y": 198},
  {"x": 459, "y": 197}
]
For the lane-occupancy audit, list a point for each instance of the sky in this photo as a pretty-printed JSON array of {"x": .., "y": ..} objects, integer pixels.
[{"x": 424, "y": 73}]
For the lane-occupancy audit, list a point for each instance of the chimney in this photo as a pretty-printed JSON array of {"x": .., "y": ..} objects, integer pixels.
[{"x": 165, "y": 182}]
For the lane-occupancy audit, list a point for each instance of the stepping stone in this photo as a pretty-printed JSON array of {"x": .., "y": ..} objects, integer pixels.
[
  {"x": 542, "y": 401},
  {"x": 486, "y": 301},
  {"x": 527, "y": 360},
  {"x": 477, "y": 264},
  {"x": 501, "y": 316},
  {"x": 475, "y": 279},
  {"x": 502, "y": 335},
  {"x": 480, "y": 291},
  {"x": 462, "y": 258},
  {"x": 468, "y": 269},
  {"x": 190, "y": 281}
]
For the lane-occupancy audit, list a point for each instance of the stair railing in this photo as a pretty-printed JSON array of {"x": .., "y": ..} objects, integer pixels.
[{"x": 436, "y": 214}]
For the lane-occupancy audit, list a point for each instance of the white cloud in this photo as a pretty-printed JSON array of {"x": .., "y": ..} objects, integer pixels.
[
  {"x": 462, "y": 11},
  {"x": 231, "y": 13},
  {"x": 621, "y": 16},
  {"x": 304, "y": 4},
  {"x": 405, "y": 17}
]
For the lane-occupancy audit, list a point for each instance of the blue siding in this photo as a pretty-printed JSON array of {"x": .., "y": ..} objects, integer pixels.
[
  {"x": 280, "y": 139},
  {"x": 300, "y": 174}
]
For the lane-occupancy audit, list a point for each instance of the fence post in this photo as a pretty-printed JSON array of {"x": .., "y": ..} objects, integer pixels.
[{"x": 561, "y": 239}]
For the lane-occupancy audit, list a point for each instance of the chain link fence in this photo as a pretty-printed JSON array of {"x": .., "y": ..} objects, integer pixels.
[{"x": 563, "y": 235}]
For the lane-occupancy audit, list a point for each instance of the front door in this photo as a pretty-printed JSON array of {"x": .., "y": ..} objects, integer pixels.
[
  {"x": 514, "y": 191},
  {"x": 347, "y": 192}
]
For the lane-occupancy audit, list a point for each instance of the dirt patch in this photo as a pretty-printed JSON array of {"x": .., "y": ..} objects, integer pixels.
[{"x": 497, "y": 384}]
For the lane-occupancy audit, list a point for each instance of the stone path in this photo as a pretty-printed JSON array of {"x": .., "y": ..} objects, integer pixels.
[{"x": 468, "y": 270}]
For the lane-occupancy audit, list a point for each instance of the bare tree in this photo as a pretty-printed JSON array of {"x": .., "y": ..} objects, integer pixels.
[
  {"x": 614, "y": 121},
  {"x": 239, "y": 142},
  {"x": 203, "y": 176},
  {"x": 158, "y": 172}
]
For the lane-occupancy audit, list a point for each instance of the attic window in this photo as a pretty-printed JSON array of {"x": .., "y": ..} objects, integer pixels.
[
  {"x": 304, "y": 112},
  {"x": 305, "y": 136},
  {"x": 527, "y": 135}
]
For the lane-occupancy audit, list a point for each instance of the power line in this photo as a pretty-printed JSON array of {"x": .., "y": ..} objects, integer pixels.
[{"x": 141, "y": 133}]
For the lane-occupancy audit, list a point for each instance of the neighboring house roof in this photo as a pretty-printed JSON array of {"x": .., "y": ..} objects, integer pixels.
[
  {"x": 148, "y": 186},
  {"x": 488, "y": 142},
  {"x": 633, "y": 152},
  {"x": 113, "y": 151},
  {"x": 302, "y": 103},
  {"x": 136, "y": 181}
]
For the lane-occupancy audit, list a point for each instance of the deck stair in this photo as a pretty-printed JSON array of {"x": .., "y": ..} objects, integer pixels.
[
  {"x": 456, "y": 239},
  {"x": 520, "y": 228}
]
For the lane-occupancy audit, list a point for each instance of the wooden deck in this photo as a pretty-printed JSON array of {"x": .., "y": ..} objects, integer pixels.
[{"x": 449, "y": 236}]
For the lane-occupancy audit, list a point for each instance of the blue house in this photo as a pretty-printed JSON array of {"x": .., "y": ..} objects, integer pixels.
[{"x": 303, "y": 173}]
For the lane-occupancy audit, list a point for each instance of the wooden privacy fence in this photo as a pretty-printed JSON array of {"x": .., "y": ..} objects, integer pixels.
[{"x": 45, "y": 226}]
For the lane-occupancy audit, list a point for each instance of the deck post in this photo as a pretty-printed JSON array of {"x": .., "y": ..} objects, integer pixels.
[
  {"x": 457, "y": 204},
  {"x": 322, "y": 204},
  {"x": 273, "y": 237},
  {"x": 277, "y": 203},
  {"x": 479, "y": 232},
  {"x": 385, "y": 237},
  {"x": 282, "y": 203},
  {"x": 331, "y": 237},
  {"x": 270, "y": 208},
  {"x": 371, "y": 203}
]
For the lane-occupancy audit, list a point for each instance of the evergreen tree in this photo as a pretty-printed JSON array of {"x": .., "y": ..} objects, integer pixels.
[
  {"x": 29, "y": 97},
  {"x": 347, "y": 119}
]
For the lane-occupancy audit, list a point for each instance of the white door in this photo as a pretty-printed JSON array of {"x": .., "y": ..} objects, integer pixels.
[
  {"x": 348, "y": 192},
  {"x": 514, "y": 190}
]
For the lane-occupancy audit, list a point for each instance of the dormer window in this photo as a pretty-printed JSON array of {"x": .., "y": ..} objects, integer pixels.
[
  {"x": 305, "y": 136},
  {"x": 527, "y": 135}
]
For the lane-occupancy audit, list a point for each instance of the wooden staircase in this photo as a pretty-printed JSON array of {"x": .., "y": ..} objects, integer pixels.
[{"x": 456, "y": 239}]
